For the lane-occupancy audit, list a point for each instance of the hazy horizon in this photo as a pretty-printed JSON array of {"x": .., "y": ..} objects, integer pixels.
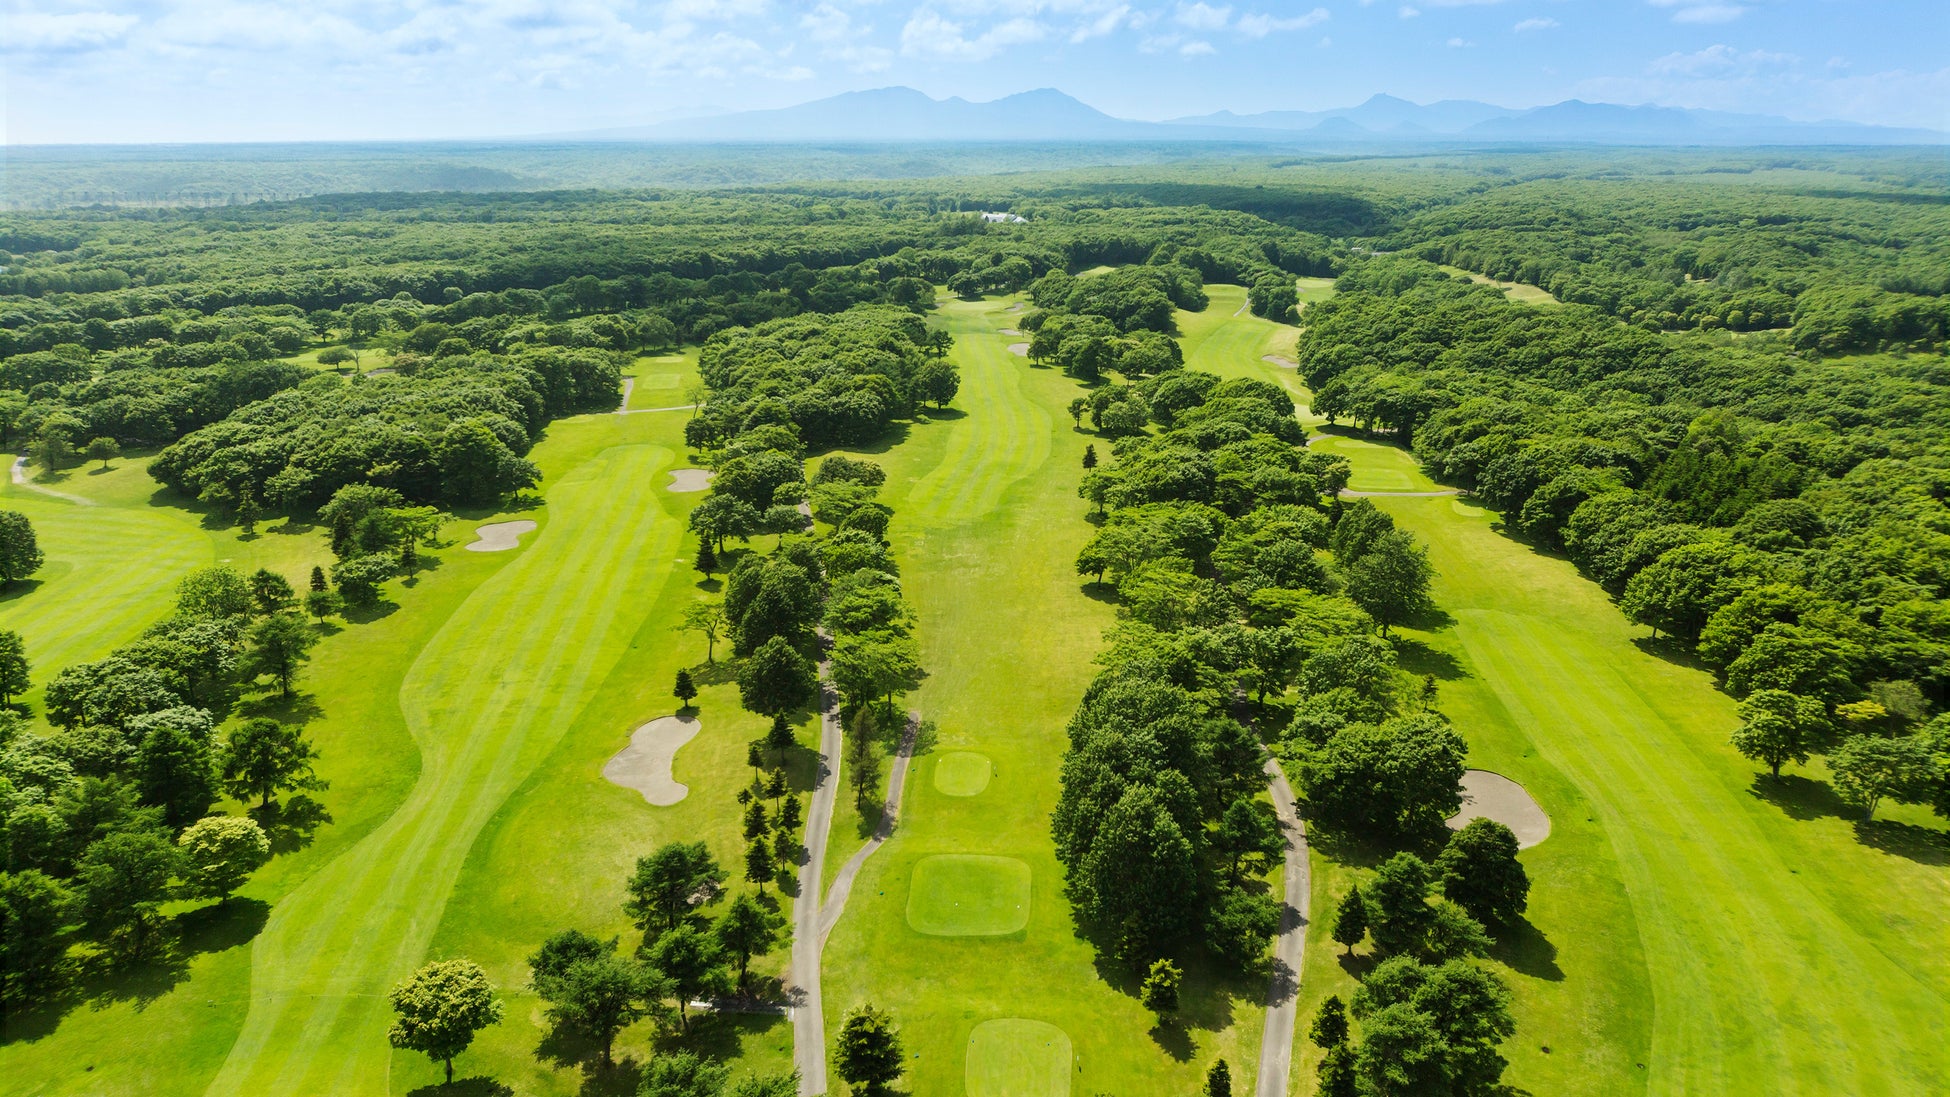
[{"x": 192, "y": 71}]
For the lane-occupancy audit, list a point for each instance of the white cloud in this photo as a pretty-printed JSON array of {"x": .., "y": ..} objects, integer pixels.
[
  {"x": 1194, "y": 49},
  {"x": 1720, "y": 60},
  {"x": 1102, "y": 25},
  {"x": 44, "y": 32},
  {"x": 1460, "y": 43},
  {"x": 1702, "y": 11},
  {"x": 928, "y": 34},
  {"x": 1258, "y": 25},
  {"x": 1526, "y": 25},
  {"x": 1203, "y": 16},
  {"x": 1407, "y": 12}
]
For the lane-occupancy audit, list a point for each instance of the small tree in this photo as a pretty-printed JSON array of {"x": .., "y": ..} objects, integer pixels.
[
  {"x": 862, "y": 759},
  {"x": 779, "y": 736},
  {"x": 1480, "y": 872},
  {"x": 248, "y": 512},
  {"x": 263, "y": 757},
  {"x": 1398, "y": 904},
  {"x": 318, "y": 582},
  {"x": 104, "y": 450},
  {"x": 440, "y": 1008},
  {"x": 1335, "y": 1076},
  {"x": 1159, "y": 994},
  {"x": 777, "y": 678},
  {"x": 1351, "y": 919},
  {"x": 1090, "y": 458},
  {"x": 684, "y": 1074},
  {"x": 279, "y": 645},
  {"x": 707, "y": 620},
  {"x": 707, "y": 558},
  {"x": 601, "y": 996},
  {"x": 868, "y": 1056},
  {"x": 219, "y": 854},
  {"x": 323, "y": 603},
  {"x": 271, "y": 592},
  {"x": 1778, "y": 727},
  {"x": 15, "y": 676},
  {"x": 1330, "y": 1023},
  {"x": 20, "y": 550},
  {"x": 1218, "y": 1080},
  {"x": 1869, "y": 769},
  {"x": 789, "y": 814},
  {"x": 757, "y": 824},
  {"x": 685, "y": 690},
  {"x": 33, "y": 910},
  {"x": 759, "y": 866},
  {"x": 746, "y": 929},
  {"x": 668, "y": 884},
  {"x": 121, "y": 883},
  {"x": 690, "y": 959}
]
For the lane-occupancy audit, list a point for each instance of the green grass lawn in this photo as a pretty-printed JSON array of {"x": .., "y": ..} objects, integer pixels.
[
  {"x": 987, "y": 523},
  {"x": 463, "y": 732},
  {"x": 1692, "y": 928}
]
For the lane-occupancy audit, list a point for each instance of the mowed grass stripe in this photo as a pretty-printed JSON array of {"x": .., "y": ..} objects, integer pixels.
[
  {"x": 1003, "y": 437},
  {"x": 1737, "y": 942},
  {"x": 486, "y": 699},
  {"x": 110, "y": 573}
]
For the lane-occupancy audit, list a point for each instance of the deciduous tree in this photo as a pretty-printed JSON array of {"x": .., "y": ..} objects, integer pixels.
[
  {"x": 219, "y": 854},
  {"x": 440, "y": 1008}
]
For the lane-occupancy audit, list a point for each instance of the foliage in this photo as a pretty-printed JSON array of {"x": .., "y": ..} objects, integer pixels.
[
  {"x": 219, "y": 854},
  {"x": 867, "y": 1055},
  {"x": 440, "y": 1008}
]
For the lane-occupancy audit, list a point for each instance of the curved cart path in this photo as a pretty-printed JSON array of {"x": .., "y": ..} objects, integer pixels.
[
  {"x": 802, "y": 973},
  {"x": 835, "y": 905},
  {"x": 21, "y": 480},
  {"x": 1289, "y": 948},
  {"x": 623, "y": 405}
]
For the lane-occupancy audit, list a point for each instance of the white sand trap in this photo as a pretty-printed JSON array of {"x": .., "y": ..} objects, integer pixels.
[
  {"x": 1008, "y": 331},
  {"x": 1279, "y": 361},
  {"x": 1020, "y": 350},
  {"x": 682, "y": 480},
  {"x": 500, "y": 536},
  {"x": 644, "y": 765},
  {"x": 1017, "y": 307},
  {"x": 1487, "y": 795}
]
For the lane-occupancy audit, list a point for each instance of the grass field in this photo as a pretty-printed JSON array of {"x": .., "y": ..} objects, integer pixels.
[
  {"x": 463, "y": 731},
  {"x": 1515, "y": 291},
  {"x": 1693, "y": 929},
  {"x": 987, "y": 522}
]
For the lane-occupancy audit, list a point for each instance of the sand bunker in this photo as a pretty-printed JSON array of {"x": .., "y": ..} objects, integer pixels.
[
  {"x": 1020, "y": 350},
  {"x": 682, "y": 480},
  {"x": 1487, "y": 795},
  {"x": 644, "y": 765},
  {"x": 1008, "y": 331},
  {"x": 1017, "y": 307},
  {"x": 500, "y": 536},
  {"x": 1279, "y": 361}
]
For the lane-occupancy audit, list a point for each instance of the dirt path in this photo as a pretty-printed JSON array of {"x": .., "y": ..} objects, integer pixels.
[
  {"x": 21, "y": 481},
  {"x": 1282, "y": 997},
  {"x": 835, "y": 905},
  {"x": 802, "y": 973},
  {"x": 646, "y": 411},
  {"x": 629, "y": 385}
]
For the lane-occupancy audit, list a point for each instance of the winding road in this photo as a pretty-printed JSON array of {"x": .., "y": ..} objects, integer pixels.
[
  {"x": 802, "y": 973},
  {"x": 1289, "y": 948},
  {"x": 22, "y": 480},
  {"x": 835, "y": 904}
]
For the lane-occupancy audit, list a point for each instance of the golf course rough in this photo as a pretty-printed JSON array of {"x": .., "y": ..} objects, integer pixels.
[
  {"x": 962, "y": 773},
  {"x": 1014, "y": 1057},
  {"x": 968, "y": 895},
  {"x": 487, "y": 699}
]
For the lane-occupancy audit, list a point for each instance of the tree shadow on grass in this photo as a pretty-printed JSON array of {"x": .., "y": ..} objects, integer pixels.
[
  {"x": 1103, "y": 592},
  {"x": 946, "y": 414},
  {"x": 476, "y": 1086},
  {"x": 1923, "y": 845},
  {"x": 291, "y": 824},
  {"x": 365, "y": 615},
  {"x": 1799, "y": 797},
  {"x": 299, "y": 708},
  {"x": 1673, "y": 650},
  {"x": 563, "y": 1047},
  {"x": 218, "y": 927},
  {"x": 19, "y": 588},
  {"x": 1419, "y": 659},
  {"x": 1524, "y": 948}
]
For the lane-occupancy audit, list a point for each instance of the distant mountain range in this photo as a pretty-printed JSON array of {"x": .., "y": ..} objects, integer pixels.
[{"x": 903, "y": 114}]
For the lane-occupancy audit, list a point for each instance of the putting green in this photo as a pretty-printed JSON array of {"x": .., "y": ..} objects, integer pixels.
[
  {"x": 962, "y": 773},
  {"x": 968, "y": 895},
  {"x": 1013, "y": 1057}
]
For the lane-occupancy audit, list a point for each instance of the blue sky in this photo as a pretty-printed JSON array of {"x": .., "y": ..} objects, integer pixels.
[{"x": 205, "y": 70}]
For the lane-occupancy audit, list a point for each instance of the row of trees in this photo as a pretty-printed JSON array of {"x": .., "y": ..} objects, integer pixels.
[
  {"x": 106, "y": 813},
  {"x": 1779, "y": 517}
]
